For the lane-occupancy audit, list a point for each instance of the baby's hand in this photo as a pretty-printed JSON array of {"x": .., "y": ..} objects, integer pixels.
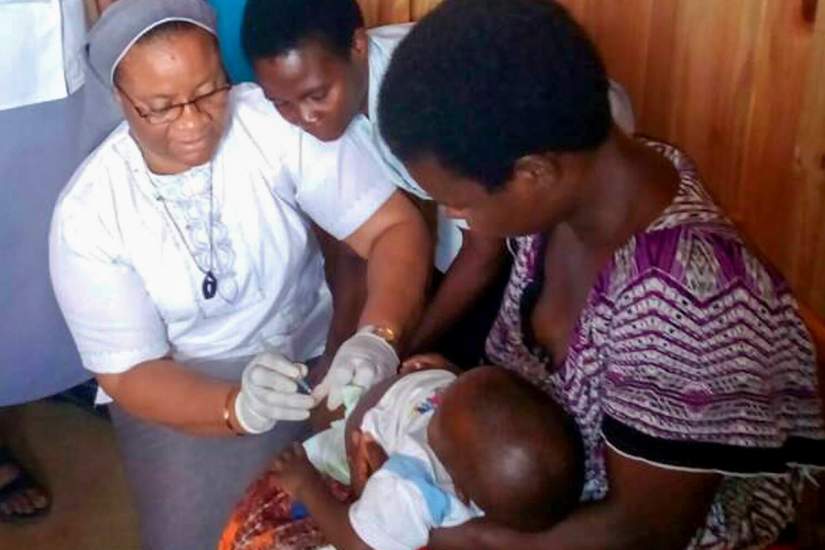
[
  {"x": 293, "y": 470},
  {"x": 425, "y": 361}
]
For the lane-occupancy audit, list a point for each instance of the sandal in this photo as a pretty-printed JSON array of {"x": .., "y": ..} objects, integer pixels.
[{"x": 19, "y": 485}]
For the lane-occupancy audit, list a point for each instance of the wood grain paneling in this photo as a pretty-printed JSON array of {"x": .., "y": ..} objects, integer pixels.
[
  {"x": 808, "y": 183},
  {"x": 420, "y": 8},
  {"x": 767, "y": 199},
  {"x": 382, "y": 12}
]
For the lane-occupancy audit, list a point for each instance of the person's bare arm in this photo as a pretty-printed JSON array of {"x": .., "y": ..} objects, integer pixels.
[
  {"x": 164, "y": 392},
  {"x": 398, "y": 249},
  {"x": 471, "y": 273},
  {"x": 298, "y": 477},
  {"x": 332, "y": 516},
  {"x": 346, "y": 275},
  {"x": 647, "y": 507}
]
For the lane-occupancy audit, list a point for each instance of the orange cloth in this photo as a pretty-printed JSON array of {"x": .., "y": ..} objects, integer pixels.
[{"x": 263, "y": 520}]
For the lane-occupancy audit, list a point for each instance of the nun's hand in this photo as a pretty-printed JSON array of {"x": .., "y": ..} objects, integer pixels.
[
  {"x": 363, "y": 360},
  {"x": 269, "y": 393}
]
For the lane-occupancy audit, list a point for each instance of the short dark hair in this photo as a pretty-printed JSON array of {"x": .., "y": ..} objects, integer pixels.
[
  {"x": 480, "y": 83},
  {"x": 274, "y": 27}
]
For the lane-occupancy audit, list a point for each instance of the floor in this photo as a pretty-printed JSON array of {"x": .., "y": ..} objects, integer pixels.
[{"x": 74, "y": 454}]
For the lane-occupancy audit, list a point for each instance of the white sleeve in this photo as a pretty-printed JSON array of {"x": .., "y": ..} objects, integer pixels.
[
  {"x": 621, "y": 107},
  {"x": 341, "y": 184},
  {"x": 114, "y": 322},
  {"x": 391, "y": 514},
  {"x": 267, "y": 135}
]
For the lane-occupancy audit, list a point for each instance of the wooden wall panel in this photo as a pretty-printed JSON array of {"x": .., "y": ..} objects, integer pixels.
[
  {"x": 769, "y": 196},
  {"x": 683, "y": 90},
  {"x": 421, "y": 7},
  {"x": 710, "y": 102},
  {"x": 383, "y": 12},
  {"x": 808, "y": 183}
]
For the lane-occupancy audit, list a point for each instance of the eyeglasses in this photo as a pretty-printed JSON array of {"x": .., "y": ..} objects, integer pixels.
[{"x": 170, "y": 114}]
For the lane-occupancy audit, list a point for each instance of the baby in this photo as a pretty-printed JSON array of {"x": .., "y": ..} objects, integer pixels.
[{"x": 430, "y": 449}]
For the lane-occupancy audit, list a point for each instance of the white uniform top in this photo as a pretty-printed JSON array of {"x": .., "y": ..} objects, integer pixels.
[
  {"x": 411, "y": 493},
  {"x": 41, "y": 50},
  {"x": 123, "y": 240},
  {"x": 382, "y": 44}
]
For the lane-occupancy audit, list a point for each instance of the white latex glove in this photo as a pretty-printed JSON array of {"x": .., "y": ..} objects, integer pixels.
[
  {"x": 362, "y": 361},
  {"x": 269, "y": 393}
]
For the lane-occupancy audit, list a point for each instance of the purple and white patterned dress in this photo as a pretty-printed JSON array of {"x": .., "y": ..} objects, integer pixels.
[{"x": 690, "y": 355}]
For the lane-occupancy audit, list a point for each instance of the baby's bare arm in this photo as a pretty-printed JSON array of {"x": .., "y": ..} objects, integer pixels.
[
  {"x": 331, "y": 515},
  {"x": 298, "y": 477}
]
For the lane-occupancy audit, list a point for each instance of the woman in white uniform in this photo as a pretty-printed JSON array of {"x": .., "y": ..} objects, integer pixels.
[
  {"x": 181, "y": 249},
  {"x": 40, "y": 97},
  {"x": 41, "y": 80}
]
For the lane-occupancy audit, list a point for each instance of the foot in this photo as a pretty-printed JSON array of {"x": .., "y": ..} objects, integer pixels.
[{"x": 20, "y": 497}]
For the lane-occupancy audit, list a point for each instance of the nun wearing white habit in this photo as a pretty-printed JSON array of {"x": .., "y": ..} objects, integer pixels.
[
  {"x": 41, "y": 94},
  {"x": 182, "y": 259}
]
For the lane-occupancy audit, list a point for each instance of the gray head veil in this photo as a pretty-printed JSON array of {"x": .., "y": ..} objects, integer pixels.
[{"x": 117, "y": 30}]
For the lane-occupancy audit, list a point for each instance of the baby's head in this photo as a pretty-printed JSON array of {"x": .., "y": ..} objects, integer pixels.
[{"x": 509, "y": 448}]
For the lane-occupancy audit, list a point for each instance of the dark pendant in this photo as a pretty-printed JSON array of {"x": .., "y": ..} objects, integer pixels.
[{"x": 210, "y": 285}]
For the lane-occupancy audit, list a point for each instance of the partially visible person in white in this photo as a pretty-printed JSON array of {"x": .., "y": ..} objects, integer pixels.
[
  {"x": 40, "y": 85},
  {"x": 41, "y": 49}
]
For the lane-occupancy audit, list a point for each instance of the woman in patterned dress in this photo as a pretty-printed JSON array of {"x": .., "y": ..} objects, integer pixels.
[{"x": 632, "y": 300}]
